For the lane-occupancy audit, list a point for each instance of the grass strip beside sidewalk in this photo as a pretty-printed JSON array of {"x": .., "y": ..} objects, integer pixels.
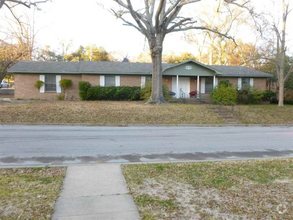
[
  {"x": 254, "y": 189},
  {"x": 29, "y": 193}
]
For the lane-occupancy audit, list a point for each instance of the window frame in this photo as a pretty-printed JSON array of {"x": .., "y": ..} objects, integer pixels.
[
  {"x": 112, "y": 76},
  {"x": 46, "y": 84}
]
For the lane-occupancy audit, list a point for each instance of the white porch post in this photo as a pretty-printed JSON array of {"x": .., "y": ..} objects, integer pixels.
[
  {"x": 197, "y": 87},
  {"x": 214, "y": 81},
  {"x": 177, "y": 86}
]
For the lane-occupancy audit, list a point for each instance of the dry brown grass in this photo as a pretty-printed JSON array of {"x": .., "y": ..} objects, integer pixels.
[
  {"x": 29, "y": 193},
  {"x": 213, "y": 190},
  {"x": 106, "y": 113},
  {"x": 266, "y": 114}
]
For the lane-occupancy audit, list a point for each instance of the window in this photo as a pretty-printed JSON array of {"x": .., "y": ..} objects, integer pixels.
[
  {"x": 110, "y": 81},
  {"x": 50, "y": 83},
  {"x": 245, "y": 82},
  {"x": 148, "y": 79}
]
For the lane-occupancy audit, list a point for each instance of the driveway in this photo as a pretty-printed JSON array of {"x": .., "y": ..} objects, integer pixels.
[{"x": 29, "y": 145}]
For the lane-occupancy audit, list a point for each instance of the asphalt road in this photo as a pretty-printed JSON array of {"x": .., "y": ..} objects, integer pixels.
[{"x": 29, "y": 145}]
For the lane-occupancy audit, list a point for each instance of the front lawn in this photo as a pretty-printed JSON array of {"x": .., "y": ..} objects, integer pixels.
[
  {"x": 266, "y": 114},
  {"x": 106, "y": 112},
  {"x": 29, "y": 193},
  {"x": 254, "y": 189}
]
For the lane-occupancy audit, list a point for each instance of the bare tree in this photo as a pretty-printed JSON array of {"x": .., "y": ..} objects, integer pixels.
[
  {"x": 10, "y": 54},
  {"x": 11, "y": 4},
  {"x": 281, "y": 52},
  {"x": 155, "y": 20},
  {"x": 227, "y": 20},
  {"x": 19, "y": 43}
]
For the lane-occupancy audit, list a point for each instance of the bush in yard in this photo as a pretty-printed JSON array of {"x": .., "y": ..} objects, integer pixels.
[
  {"x": 39, "y": 84},
  {"x": 268, "y": 95},
  {"x": 224, "y": 93},
  {"x": 60, "y": 97},
  {"x": 225, "y": 83},
  {"x": 83, "y": 88},
  {"x": 147, "y": 91},
  {"x": 120, "y": 93},
  {"x": 65, "y": 84},
  {"x": 249, "y": 95}
]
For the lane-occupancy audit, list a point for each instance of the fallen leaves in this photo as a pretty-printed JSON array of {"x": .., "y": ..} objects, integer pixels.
[
  {"x": 104, "y": 112},
  {"x": 29, "y": 193},
  {"x": 253, "y": 189}
]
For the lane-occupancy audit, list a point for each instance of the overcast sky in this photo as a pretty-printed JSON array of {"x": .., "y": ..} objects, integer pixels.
[{"x": 88, "y": 23}]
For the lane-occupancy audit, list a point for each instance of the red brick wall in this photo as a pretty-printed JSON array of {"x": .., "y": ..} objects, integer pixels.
[
  {"x": 72, "y": 92},
  {"x": 168, "y": 82},
  {"x": 94, "y": 80},
  {"x": 130, "y": 80},
  {"x": 260, "y": 84},
  {"x": 24, "y": 87}
]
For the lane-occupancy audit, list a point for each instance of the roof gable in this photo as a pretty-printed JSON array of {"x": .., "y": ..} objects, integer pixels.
[{"x": 194, "y": 62}]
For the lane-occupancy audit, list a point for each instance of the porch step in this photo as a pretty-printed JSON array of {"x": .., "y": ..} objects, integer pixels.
[
  {"x": 187, "y": 101},
  {"x": 224, "y": 113}
]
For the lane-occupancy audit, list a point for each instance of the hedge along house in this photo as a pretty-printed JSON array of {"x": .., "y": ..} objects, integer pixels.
[{"x": 180, "y": 78}]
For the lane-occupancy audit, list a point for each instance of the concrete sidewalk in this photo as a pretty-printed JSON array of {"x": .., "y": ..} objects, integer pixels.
[{"x": 95, "y": 192}]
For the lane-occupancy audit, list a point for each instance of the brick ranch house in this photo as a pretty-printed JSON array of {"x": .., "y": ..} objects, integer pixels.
[{"x": 180, "y": 78}]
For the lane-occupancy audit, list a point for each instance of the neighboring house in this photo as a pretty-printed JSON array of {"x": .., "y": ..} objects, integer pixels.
[{"x": 180, "y": 78}]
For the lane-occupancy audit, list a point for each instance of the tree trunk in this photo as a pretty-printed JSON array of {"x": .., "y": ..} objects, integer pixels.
[
  {"x": 156, "y": 48},
  {"x": 283, "y": 51},
  {"x": 281, "y": 91}
]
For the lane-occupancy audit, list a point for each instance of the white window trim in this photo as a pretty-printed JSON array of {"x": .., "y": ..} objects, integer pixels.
[
  {"x": 251, "y": 82},
  {"x": 102, "y": 81},
  {"x": 117, "y": 80},
  {"x": 239, "y": 83},
  {"x": 58, "y": 87},
  {"x": 143, "y": 79},
  {"x": 42, "y": 78}
]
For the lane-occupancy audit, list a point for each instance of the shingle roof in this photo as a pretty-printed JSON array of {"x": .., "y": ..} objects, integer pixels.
[
  {"x": 117, "y": 67},
  {"x": 236, "y": 71},
  {"x": 120, "y": 68},
  {"x": 88, "y": 67},
  {"x": 44, "y": 67}
]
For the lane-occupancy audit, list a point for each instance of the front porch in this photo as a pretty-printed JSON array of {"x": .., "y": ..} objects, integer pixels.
[
  {"x": 190, "y": 76},
  {"x": 190, "y": 87}
]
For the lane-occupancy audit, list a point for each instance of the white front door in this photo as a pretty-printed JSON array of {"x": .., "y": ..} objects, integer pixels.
[{"x": 183, "y": 87}]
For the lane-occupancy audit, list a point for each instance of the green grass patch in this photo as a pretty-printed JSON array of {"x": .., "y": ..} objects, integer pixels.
[
  {"x": 265, "y": 114},
  {"x": 29, "y": 193},
  {"x": 258, "y": 189}
]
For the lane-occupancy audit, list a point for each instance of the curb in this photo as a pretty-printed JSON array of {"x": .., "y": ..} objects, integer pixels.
[
  {"x": 149, "y": 162},
  {"x": 147, "y": 125}
]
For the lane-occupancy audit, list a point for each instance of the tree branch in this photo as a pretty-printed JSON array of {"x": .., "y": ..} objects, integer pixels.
[
  {"x": 157, "y": 17},
  {"x": 204, "y": 28},
  {"x": 27, "y": 4},
  {"x": 289, "y": 73},
  {"x": 127, "y": 22}
]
